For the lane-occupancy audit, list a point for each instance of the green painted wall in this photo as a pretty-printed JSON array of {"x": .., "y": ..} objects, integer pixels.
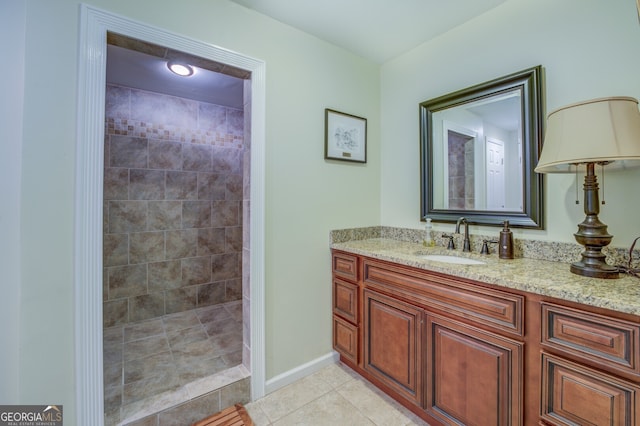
[
  {"x": 588, "y": 48},
  {"x": 306, "y": 196}
]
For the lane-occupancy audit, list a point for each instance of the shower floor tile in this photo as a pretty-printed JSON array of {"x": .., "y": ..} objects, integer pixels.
[{"x": 145, "y": 359}]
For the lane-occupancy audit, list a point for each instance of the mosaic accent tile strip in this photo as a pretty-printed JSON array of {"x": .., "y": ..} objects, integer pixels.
[
  {"x": 141, "y": 129},
  {"x": 142, "y": 114}
]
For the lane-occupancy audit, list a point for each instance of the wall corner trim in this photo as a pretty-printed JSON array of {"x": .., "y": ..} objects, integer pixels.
[{"x": 313, "y": 366}]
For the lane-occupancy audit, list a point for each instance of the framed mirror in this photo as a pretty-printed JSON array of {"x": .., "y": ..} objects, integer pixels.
[{"x": 478, "y": 149}]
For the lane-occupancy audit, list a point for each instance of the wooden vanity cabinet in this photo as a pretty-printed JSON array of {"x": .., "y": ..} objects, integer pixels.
[
  {"x": 471, "y": 364},
  {"x": 449, "y": 350},
  {"x": 459, "y": 352}
]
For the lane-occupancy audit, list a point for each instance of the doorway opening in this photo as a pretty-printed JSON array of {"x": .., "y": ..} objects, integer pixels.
[
  {"x": 89, "y": 204},
  {"x": 174, "y": 201}
]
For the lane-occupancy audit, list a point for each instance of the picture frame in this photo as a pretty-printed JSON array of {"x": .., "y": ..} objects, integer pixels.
[{"x": 345, "y": 137}]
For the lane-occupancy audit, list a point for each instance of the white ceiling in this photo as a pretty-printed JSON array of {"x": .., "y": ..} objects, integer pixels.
[{"x": 378, "y": 30}]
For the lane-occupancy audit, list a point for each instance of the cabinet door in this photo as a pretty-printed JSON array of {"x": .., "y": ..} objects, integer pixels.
[
  {"x": 576, "y": 395},
  {"x": 392, "y": 344},
  {"x": 473, "y": 377}
]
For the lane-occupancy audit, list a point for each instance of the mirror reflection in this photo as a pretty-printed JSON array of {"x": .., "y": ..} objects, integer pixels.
[
  {"x": 478, "y": 160},
  {"x": 478, "y": 150}
]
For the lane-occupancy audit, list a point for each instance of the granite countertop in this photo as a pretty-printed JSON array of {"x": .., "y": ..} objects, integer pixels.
[{"x": 542, "y": 277}]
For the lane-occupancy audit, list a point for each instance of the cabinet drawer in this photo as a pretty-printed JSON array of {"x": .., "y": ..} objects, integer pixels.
[
  {"x": 595, "y": 337},
  {"x": 345, "y": 339},
  {"x": 576, "y": 395},
  {"x": 345, "y": 266},
  {"x": 345, "y": 300},
  {"x": 452, "y": 295}
]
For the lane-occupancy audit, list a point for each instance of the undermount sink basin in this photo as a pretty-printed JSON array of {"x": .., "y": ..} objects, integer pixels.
[{"x": 451, "y": 259}]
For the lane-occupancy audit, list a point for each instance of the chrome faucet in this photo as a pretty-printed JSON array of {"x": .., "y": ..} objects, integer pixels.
[{"x": 467, "y": 244}]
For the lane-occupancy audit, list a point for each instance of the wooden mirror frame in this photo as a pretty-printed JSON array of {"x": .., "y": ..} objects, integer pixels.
[{"x": 530, "y": 83}]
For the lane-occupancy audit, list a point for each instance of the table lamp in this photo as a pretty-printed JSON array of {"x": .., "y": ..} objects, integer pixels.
[{"x": 606, "y": 132}]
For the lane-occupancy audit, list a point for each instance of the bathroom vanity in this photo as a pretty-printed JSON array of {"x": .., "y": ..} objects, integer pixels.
[{"x": 503, "y": 342}]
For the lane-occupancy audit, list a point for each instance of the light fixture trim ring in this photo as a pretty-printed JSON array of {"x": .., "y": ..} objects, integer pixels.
[{"x": 180, "y": 68}]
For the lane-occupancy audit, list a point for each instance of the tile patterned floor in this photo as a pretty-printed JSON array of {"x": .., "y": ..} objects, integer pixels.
[
  {"x": 335, "y": 395},
  {"x": 145, "y": 359}
]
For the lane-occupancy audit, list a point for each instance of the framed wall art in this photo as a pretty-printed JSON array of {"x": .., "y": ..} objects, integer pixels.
[{"x": 345, "y": 137}]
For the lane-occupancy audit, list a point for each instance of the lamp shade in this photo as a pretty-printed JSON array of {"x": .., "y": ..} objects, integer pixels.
[{"x": 594, "y": 131}]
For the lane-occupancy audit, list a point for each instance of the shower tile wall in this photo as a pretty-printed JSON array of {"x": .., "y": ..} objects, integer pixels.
[
  {"x": 461, "y": 171},
  {"x": 173, "y": 196}
]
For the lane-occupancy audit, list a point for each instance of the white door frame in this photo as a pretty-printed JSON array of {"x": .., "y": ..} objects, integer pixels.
[{"x": 92, "y": 55}]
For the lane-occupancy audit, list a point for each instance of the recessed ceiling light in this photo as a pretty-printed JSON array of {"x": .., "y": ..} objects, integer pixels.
[{"x": 180, "y": 68}]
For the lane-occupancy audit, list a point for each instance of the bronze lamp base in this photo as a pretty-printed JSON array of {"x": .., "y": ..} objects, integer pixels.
[{"x": 593, "y": 234}]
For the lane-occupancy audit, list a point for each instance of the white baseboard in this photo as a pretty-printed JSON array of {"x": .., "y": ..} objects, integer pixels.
[{"x": 301, "y": 371}]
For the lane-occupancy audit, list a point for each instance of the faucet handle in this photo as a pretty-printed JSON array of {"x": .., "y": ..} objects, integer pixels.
[
  {"x": 451, "y": 245},
  {"x": 485, "y": 246}
]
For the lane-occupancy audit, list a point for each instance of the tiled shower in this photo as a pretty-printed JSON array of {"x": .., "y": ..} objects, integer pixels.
[
  {"x": 173, "y": 205},
  {"x": 461, "y": 171},
  {"x": 174, "y": 189}
]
